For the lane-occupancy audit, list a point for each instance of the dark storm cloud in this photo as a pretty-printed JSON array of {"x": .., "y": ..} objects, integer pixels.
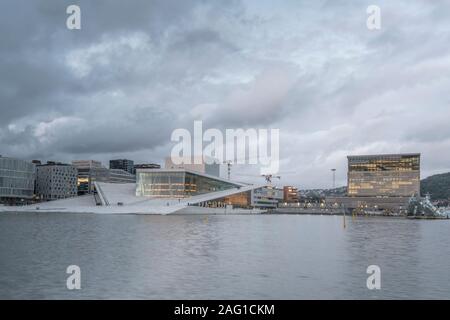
[{"x": 137, "y": 70}]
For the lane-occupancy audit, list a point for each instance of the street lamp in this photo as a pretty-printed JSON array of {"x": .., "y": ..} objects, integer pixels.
[{"x": 334, "y": 177}]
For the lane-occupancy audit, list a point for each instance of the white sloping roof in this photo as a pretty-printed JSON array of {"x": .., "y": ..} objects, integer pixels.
[
  {"x": 125, "y": 194},
  {"x": 131, "y": 204}
]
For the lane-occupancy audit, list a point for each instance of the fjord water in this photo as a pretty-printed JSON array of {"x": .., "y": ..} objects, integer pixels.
[{"x": 222, "y": 257}]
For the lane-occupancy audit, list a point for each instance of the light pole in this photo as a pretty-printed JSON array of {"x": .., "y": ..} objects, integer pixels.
[{"x": 334, "y": 177}]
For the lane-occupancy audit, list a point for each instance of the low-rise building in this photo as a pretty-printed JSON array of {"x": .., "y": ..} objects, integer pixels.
[
  {"x": 56, "y": 181},
  {"x": 267, "y": 197}
]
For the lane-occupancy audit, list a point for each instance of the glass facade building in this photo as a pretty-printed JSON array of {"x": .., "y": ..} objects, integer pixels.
[
  {"x": 177, "y": 183},
  {"x": 122, "y": 164},
  {"x": 17, "y": 178},
  {"x": 396, "y": 175}
]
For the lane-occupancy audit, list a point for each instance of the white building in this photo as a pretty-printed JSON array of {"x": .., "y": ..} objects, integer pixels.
[
  {"x": 56, "y": 181},
  {"x": 266, "y": 197},
  {"x": 160, "y": 191}
]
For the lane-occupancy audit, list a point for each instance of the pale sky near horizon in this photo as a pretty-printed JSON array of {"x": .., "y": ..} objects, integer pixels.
[{"x": 137, "y": 70}]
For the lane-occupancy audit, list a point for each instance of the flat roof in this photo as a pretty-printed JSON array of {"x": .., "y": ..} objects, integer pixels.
[
  {"x": 384, "y": 155},
  {"x": 55, "y": 165}
]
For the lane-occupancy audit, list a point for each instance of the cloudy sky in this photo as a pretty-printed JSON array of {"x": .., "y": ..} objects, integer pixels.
[{"x": 137, "y": 70}]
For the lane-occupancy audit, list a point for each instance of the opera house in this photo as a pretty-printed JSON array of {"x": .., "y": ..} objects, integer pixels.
[{"x": 160, "y": 191}]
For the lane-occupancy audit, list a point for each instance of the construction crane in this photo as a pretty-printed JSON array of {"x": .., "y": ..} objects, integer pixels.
[{"x": 269, "y": 177}]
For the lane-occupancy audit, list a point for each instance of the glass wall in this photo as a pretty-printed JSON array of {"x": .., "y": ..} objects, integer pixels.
[
  {"x": 384, "y": 175},
  {"x": 177, "y": 184},
  {"x": 16, "y": 178}
]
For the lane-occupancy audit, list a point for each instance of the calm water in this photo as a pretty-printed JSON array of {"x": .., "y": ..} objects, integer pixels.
[{"x": 221, "y": 257}]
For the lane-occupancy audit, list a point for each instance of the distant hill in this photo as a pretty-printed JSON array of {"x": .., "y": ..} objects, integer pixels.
[
  {"x": 438, "y": 186},
  {"x": 321, "y": 193}
]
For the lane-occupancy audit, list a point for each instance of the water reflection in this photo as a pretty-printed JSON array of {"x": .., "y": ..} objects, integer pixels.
[{"x": 221, "y": 257}]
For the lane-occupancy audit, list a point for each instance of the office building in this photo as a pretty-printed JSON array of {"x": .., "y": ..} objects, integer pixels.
[
  {"x": 17, "y": 178},
  {"x": 56, "y": 181},
  {"x": 390, "y": 175},
  {"x": 122, "y": 164}
]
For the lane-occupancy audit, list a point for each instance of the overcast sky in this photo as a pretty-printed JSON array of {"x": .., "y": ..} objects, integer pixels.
[{"x": 137, "y": 70}]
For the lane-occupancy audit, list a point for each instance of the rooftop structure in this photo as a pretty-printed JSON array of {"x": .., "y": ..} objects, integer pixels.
[
  {"x": 199, "y": 164},
  {"x": 146, "y": 166}
]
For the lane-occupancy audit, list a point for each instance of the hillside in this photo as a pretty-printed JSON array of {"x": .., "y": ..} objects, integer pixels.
[{"x": 438, "y": 186}]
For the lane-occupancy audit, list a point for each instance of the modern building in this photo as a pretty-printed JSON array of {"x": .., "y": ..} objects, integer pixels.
[
  {"x": 17, "y": 178},
  {"x": 195, "y": 188},
  {"x": 387, "y": 175},
  {"x": 290, "y": 194},
  {"x": 267, "y": 197},
  {"x": 89, "y": 171},
  {"x": 178, "y": 183},
  {"x": 56, "y": 181},
  {"x": 121, "y": 176},
  {"x": 161, "y": 191},
  {"x": 198, "y": 164},
  {"x": 122, "y": 164},
  {"x": 383, "y": 182}
]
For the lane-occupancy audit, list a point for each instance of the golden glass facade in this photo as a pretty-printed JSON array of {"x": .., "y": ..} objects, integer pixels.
[{"x": 396, "y": 175}]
